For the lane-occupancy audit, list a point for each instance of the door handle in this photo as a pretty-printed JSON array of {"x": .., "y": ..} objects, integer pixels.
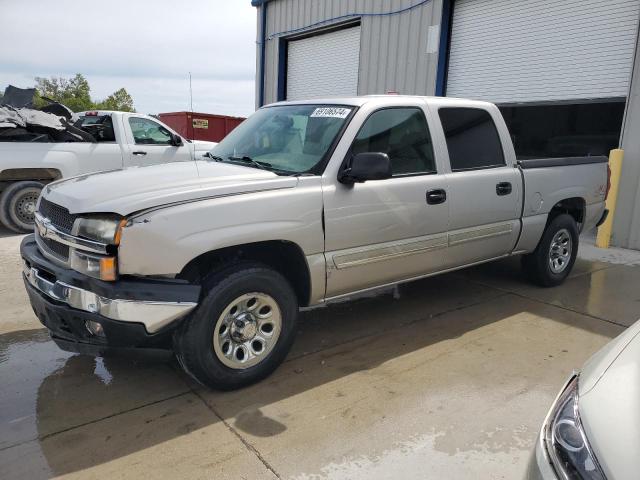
[
  {"x": 140, "y": 152},
  {"x": 504, "y": 188},
  {"x": 434, "y": 197}
]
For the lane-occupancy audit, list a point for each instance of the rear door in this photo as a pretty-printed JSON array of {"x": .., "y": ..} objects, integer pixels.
[
  {"x": 149, "y": 143},
  {"x": 483, "y": 189}
]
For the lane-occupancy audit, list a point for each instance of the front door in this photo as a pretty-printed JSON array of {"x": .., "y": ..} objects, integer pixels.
[
  {"x": 382, "y": 231},
  {"x": 151, "y": 144}
]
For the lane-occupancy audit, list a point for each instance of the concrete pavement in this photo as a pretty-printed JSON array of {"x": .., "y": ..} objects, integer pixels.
[{"x": 448, "y": 377}]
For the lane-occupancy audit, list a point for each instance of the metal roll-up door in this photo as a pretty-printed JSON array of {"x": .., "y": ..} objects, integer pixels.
[
  {"x": 324, "y": 65},
  {"x": 509, "y": 51}
]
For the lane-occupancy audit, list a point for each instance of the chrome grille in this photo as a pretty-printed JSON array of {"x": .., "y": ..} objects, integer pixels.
[
  {"x": 59, "y": 216},
  {"x": 52, "y": 249},
  {"x": 58, "y": 249}
]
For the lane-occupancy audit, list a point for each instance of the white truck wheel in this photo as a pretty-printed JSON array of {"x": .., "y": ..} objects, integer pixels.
[{"x": 18, "y": 205}]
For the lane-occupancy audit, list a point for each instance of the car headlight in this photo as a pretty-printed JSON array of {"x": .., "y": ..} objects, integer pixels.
[
  {"x": 566, "y": 441},
  {"x": 102, "y": 228}
]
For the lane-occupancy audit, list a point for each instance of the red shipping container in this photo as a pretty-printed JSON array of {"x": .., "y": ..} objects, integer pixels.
[{"x": 200, "y": 126}]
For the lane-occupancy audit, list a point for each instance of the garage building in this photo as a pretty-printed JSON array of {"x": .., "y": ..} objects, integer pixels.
[{"x": 560, "y": 70}]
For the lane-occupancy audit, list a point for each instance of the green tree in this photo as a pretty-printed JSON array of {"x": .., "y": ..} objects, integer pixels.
[
  {"x": 73, "y": 92},
  {"x": 118, "y": 100}
]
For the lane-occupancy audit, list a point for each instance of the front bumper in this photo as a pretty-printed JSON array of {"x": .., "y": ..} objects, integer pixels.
[
  {"x": 133, "y": 313},
  {"x": 539, "y": 467}
]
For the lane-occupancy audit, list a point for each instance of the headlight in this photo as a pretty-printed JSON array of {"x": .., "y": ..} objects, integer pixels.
[
  {"x": 565, "y": 439},
  {"x": 103, "y": 228},
  {"x": 99, "y": 228}
]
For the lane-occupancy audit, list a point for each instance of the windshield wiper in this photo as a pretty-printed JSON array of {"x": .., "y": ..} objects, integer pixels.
[
  {"x": 247, "y": 159},
  {"x": 213, "y": 157}
]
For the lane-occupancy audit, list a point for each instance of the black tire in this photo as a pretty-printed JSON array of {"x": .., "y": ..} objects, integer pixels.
[
  {"x": 194, "y": 339},
  {"x": 538, "y": 264},
  {"x": 17, "y": 205}
]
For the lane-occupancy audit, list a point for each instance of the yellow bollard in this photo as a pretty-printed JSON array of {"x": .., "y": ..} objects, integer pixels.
[{"x": 604, "y": 230}]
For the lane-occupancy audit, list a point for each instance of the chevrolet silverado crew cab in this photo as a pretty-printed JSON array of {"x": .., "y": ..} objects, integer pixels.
[
  {"x": 110, "y": 140},
  {"x": 303, "y": 203}
]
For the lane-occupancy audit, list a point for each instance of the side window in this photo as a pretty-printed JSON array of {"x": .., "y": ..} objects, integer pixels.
[
  {"x": 472, "y": 139},
  {"x": 148, "y": 132},
  {"x": 401, "y": 133}
]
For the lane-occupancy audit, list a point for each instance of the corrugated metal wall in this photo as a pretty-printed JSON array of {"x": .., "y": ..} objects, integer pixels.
[
  {"x": 397, "y": 52},
  {"x": 508, "y": 51}
]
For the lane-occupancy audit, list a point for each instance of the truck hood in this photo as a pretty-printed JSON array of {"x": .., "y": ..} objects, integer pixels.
[
  {"x": 609, "y": 404},
  {"x": 135, "y": 189},
  {"x": 200, "y": 147}
]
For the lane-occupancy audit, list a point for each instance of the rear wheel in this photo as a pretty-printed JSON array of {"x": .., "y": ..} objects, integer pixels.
[
  {"x": 552, "y": 260},
  {"x": 18, "y": 205},
  {"x": 242, "y": 329}
]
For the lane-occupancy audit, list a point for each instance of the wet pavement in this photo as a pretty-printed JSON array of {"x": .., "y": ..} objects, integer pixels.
[{"x": 447, "y": 377}]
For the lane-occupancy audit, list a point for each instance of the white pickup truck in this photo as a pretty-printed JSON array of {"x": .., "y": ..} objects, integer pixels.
[
  {"x": 123, "y": 140},
  {"x": 303, "y": 203}
]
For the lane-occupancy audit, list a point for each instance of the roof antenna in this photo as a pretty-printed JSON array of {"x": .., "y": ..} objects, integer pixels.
[
  {"x": 193, "y": 136},
  {"x": 190, "y": 93}
]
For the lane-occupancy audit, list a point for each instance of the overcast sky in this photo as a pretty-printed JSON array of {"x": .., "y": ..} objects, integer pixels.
[{"x": 145, "y": 46}]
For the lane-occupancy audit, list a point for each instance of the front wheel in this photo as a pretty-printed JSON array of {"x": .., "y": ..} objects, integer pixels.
[
  {"x": 242, "y": 329},
  {"x": 552, "y": 260}
]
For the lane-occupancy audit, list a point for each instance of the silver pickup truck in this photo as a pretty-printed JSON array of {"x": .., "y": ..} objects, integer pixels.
[{"x": 303, "y": 203}]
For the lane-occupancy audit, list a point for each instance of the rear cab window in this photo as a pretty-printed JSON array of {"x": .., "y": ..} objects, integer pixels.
[
  {"x": 472, "y": 139},
  {"x": 402, "y": 133},
  {"x": 100, "y": 126}
]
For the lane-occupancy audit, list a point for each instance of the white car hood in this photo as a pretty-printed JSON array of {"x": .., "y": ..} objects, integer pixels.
[
  {"x": 135, "y": 189},
  {"x": 609, "y": 404}
]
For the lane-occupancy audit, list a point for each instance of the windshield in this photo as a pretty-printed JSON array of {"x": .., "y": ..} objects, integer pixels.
[{"x": 286, "y": 138}]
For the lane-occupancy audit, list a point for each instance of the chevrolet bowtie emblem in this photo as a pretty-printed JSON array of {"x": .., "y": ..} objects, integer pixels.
[{"x": 43, "y": 227}]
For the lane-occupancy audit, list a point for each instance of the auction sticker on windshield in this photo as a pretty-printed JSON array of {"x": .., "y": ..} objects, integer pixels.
[{"x": 334, "y": 112}]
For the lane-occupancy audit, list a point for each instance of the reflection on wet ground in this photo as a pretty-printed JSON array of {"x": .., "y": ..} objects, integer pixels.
[
  {"x": 450, "y": 375},
  {"x": 27, "y": 358}
]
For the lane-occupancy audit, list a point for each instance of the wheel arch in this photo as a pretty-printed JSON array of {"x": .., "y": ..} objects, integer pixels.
[
  {"x": 284, "y": 256},
  {"x": 24, "y": 174},
  {"x": 574, "y": 206}
]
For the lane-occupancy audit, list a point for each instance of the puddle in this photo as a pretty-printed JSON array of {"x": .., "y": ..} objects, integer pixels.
[
  {"x": 27, "y": 358},
  {"x": 46, "y": 390}
]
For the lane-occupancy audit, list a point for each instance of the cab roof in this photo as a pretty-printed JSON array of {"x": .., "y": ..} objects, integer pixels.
[{"x": 385, "y": 99}]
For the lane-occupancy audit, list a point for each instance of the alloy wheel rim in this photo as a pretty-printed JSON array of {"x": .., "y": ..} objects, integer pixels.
[
  {"x": 247, "y": 330},
  {"x": 560, "y": 251}
]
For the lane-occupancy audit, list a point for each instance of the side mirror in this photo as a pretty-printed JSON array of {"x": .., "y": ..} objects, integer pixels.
[
  {"x": 176, "y": 140},
  {"x": 366, "y": 166}
]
